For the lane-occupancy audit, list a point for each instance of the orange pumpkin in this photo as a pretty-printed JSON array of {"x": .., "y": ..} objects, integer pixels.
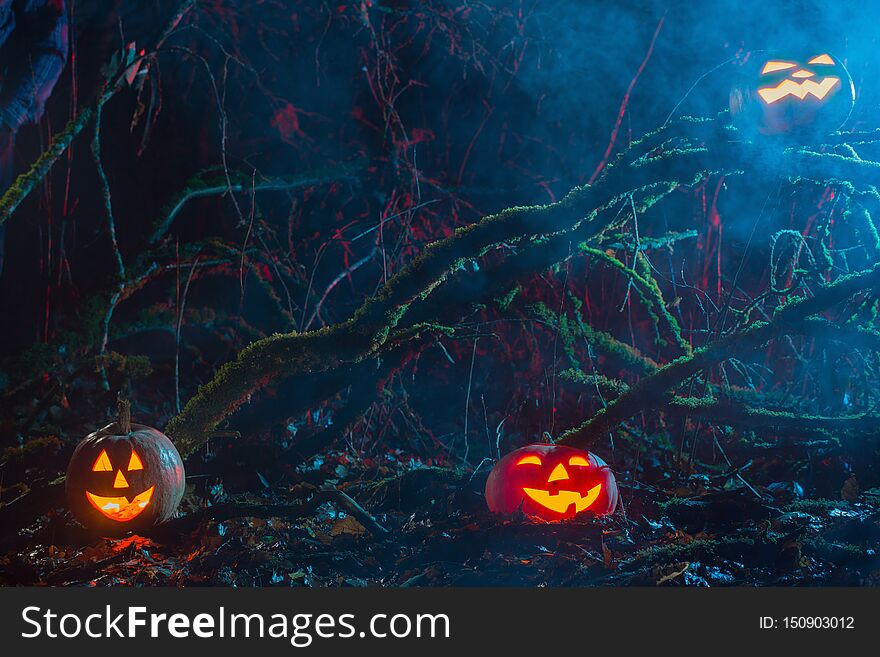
[
  {"x": 803, "y": 98},
  {"x": 124, "y": 477},
  {"x": 551, "y": 482}
]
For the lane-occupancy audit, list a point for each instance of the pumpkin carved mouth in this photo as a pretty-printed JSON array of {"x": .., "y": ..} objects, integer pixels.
[
  {"x": 561, "y": 500},
  {"x": 800, "y": 90},
  {"x": 121, "y": 508}
]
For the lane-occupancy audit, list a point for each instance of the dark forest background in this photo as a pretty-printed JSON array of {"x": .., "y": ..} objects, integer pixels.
[{"x": 441, "y": 112}]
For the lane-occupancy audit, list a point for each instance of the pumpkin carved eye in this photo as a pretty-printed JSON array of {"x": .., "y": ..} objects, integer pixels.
[
  {"x": 134, "y": 463},
  {"x": 579, "y": 461},
  {"x": 529, "y": 459},
  {"x": 772, "y": 67},
  {"x": 102, "y": 463},
  {"x": 822, "y": 59}
]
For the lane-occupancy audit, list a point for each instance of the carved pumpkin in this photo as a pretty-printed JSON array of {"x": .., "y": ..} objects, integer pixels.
[
  {"x": 802, "y": 98},
  {"x": 124, "y": 477},
  {"x": 551, "y": 482}
]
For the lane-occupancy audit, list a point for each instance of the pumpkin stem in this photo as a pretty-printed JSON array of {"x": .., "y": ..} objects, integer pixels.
[{"x": 123, "y": 415}]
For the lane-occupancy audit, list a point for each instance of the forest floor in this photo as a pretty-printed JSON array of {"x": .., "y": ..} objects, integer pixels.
[{"x": 706, "y": 532}]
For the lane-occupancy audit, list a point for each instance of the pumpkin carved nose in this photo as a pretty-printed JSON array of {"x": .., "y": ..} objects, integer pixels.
[
  {"x": 120, "y": 481},
  {"x": 559, "y": 473},
  {"x": 802, "y": 73}
]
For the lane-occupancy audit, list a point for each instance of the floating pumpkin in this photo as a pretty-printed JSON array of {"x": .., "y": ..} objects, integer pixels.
[
  {"x": 124, "y": 477},
  {"x": 805, "y": 98},
  {"x": 551, "y": 482}
]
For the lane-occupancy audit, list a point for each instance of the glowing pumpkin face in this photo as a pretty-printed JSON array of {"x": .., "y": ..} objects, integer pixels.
[
  {"x": 124, "y": 481},
  {"x": 806, "y": 99},
  {"x": 120, "y": 507},
  {"x": 551, "y": 482}
]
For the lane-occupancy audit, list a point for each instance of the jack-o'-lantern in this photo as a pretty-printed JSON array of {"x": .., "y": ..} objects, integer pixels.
[
  {"x": 551, "y": 482},
  {"x": 124, "y": 477},
  {"x": 802, "y": 98}
]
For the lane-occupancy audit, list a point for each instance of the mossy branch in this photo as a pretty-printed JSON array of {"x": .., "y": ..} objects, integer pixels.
[
  {"x": 354, "y": 339},
  {"x": 467, "y": 290},
  {"x": 93, "y": 325},
  {"x": 735, "y": 414},
  {"x": 464, "y": 293},
  {"x": 215, "y": 183},
  {"x": 654, "y": 390},
  {"x": 647, "y": 289},
  {"x": 28, "y": 181},
  {"x": 364, "y": 333},
  {"x": 603, "y": 383}
]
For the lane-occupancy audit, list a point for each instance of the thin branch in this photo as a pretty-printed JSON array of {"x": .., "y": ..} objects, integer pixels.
[
  {"x": 105, "y": 188},
  {"x": 202, "y": 185}
]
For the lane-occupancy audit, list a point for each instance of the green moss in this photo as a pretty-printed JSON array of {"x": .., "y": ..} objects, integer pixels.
[
  {"x": 647, "y": 243},
  {"x": 28, "y": 181},
  {"x": 673, "y": 503},
  {"x": 866, "y": 228},
  {"x": 503, "y": 302},
  {"x": 604, "y": 383},
  {"x": 834, "y": 552},
  {"x": 607, "y": 344},
  {"x": 127, "y": 365},
  {"x": 564, "y": 330},
  {"x": 817, "y": 506},
  {"x": 700, "y": 549},
  {"x": 647, "y": 290},
  {"x": 643, "y": 267},
  {"x": 33, "y": 450}
]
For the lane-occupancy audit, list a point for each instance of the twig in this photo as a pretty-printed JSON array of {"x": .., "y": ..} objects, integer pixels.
[
  {"x": 228, "y": 510},
  {"x": 105, "y": 186},
  {"x": 201, "y": 186},
  {"x": 352, "y": 507},
  {"x": 177, "y": 329},
  {"x": 467, "y": 403},
  {"x": 341, "y": 276}
]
